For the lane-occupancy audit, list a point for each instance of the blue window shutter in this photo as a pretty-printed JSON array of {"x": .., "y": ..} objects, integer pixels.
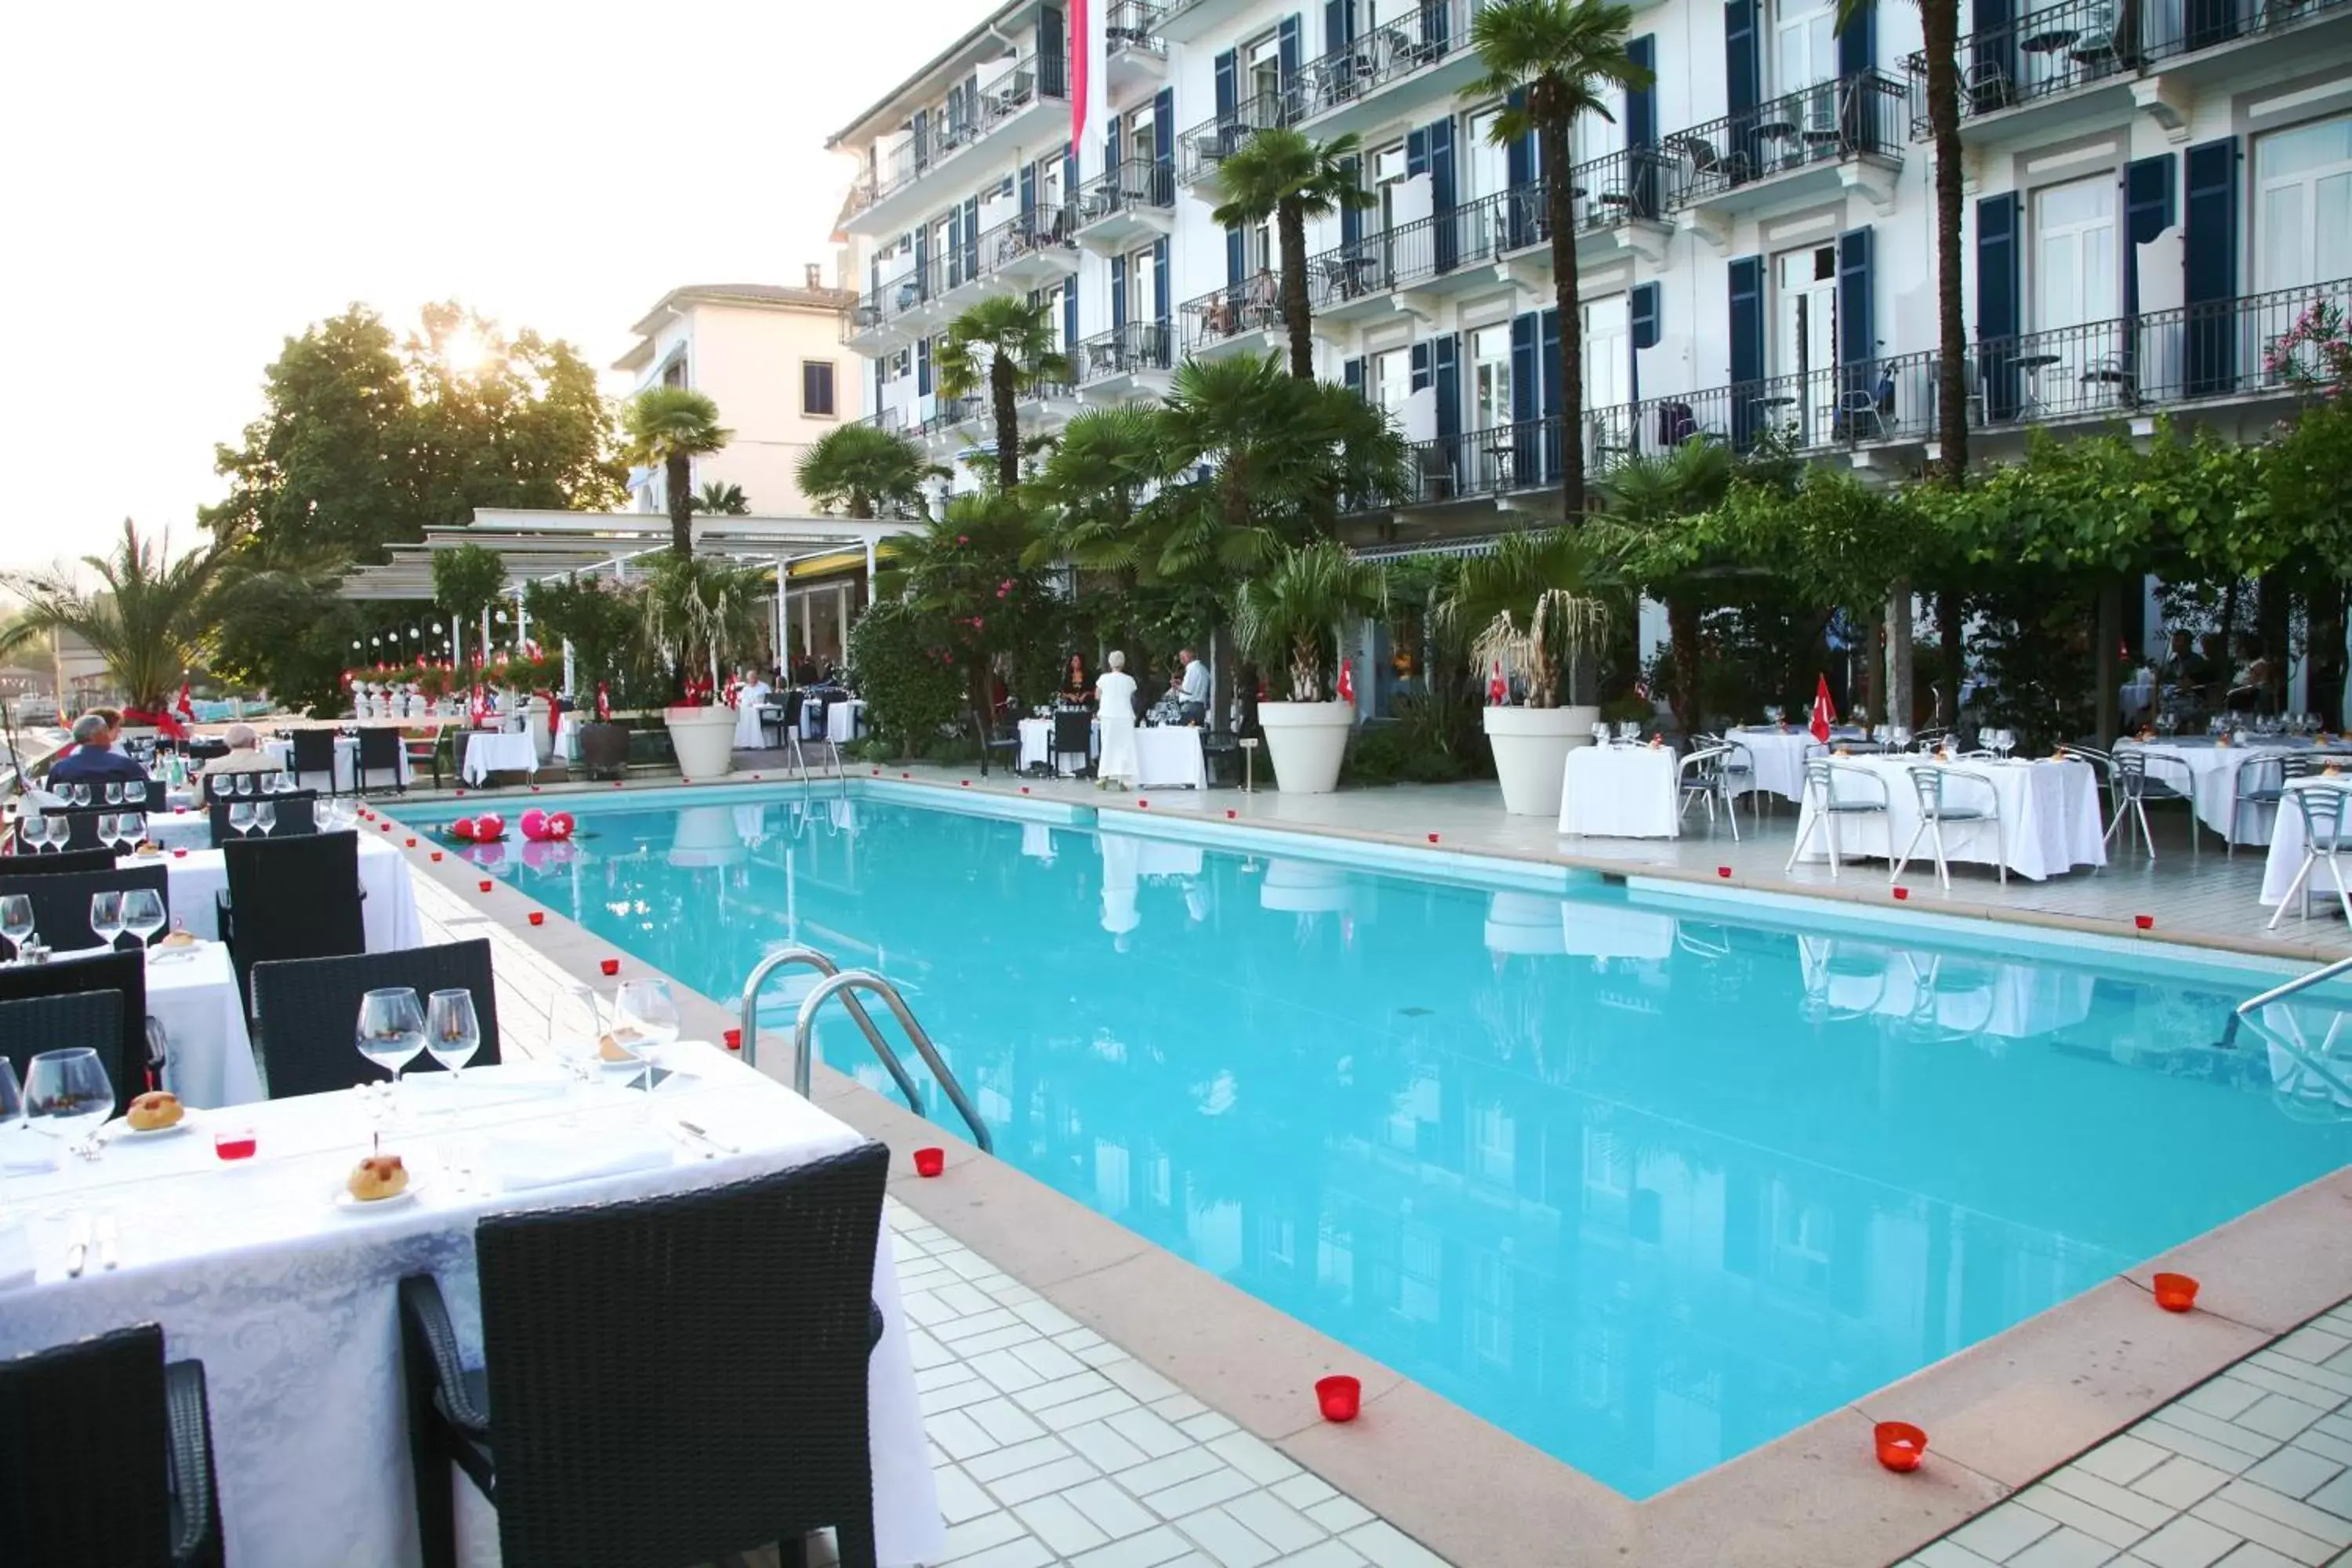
[
  {"x": 1526, "y": 443},
  {"x": 1520, "y": 156},
  {"x": 1351, "y": 372},
  {"x": 1236, "y": 256},
  {"x": 922, "y": 137},
  {"x": 1436, "y": 27},
  {"x": 1993, "y": 24},
  {"x": 1050, "y": 34},
  {"x": 1226, "y": 79},
  {"x": 1286, "y": 47},
  {"x": 876, "y": 365},
  {"x": 2148, "y": 213},
  {"x": 1070, "y": 314},
  {"x": 1163, "y": 125},
  {"x": 1857, "y": 43},
  {"x": 1440, "y": 138},
  {"x": 1548, "y": 370},
  {"x": 971, "y": 237},
  {"x": 1642, "y": 128},
  {"x": 2209, "y": 268},
  {"x": 1070, "y": 169},
  {"x": 1420, "y": 366},
  {"x": 1996, "y": 303},
  {"x": 1742, "y": 74},
  {"x": 1339, "y": 24},
  {"x": 1159, "y": 279},
  {"x": 1351, "y": 219},
  {"x": 923, "y": 367},
  {"x": 1746, "y": 346},
  {"x": 1857, "y": 331},
  {"x": 1445, "y": 375},
  {"x": 1028, "y": 190},
  {"x": 1118, "y": 292},
  {"x": 1641, "y": 311},
  {"x": 1110, "y": 146},
  {"x": 1416, "y": 152},
  {"x": 923, "y": 261}
]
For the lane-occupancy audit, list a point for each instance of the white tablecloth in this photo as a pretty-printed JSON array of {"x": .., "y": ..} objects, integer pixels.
[
  {"x": 2049, "y": 817},
  {"x": 193, "y": 994},
  {"x": 291, "y": 1303},
  {"x": 567, "y": 736},
  {"x": 1619, "y": 792},
  {"x": 347, "y": 758},
  {"x": 189, "y": 829},
  {"x": 1955, "y": 992},
  {"x": 1037, "y": 740},
  {"x": 388, "y": 912},
  {"x": 844, "y": 720},
  {"x": 1778, "y": 755},
  {"x": 2214, "y": 769},
  {"x": 2286, "y": 852},
  {"x": 487, "y": 753},
  {"x": 1169, "y": 757}
]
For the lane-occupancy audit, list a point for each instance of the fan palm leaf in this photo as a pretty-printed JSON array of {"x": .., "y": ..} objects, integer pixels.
[
  {"x": 1008, "y": 344},
  {"x": 1287, "y": 176},
  {"x": 666, "y": 428},
  {"x": 150, "y": 619}
]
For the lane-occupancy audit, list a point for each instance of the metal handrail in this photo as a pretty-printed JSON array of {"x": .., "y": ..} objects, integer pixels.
[
  {"x": 2253, "y": 1004},
  {"x": 849, "y": 980},
  {"x": 810, "y": 958}
]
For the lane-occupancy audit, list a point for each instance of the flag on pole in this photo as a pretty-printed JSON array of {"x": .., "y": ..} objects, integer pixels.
[
  {"x": 1498, "y": 691},
  {"x": 1825, "y": 711},
  {"x": 603, "y": 703},
  {"x": 1089, "y": 70},
  {"x": 185, "y": 707},
  {"x": 479, "y": 711},
  {"x": 1347, "y": 680}
]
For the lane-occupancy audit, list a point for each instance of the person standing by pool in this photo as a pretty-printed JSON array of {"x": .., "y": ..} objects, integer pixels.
[{"x": 1115, "y": 710}]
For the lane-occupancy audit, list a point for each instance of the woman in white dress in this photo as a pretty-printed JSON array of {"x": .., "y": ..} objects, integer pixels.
[
  {"x": 1115, "y": 709},
  {"x": 748, "y": 735}
]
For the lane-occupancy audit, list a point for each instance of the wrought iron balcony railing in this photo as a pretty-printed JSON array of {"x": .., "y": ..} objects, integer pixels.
[
  {"x": 1200, "y": 150},
  {"x": 1386, "y": 52},
  {"x": 1130, "y": 350},
  {"x": 1134, "y": 25},
  {"x": 1137, "y": 182},
  {"x": 944, "y": 135},
  {"x": 1864, "y": 115},
  {"x": 1222, "y": 314}
]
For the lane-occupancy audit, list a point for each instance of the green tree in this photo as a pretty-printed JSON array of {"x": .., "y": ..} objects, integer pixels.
[
  {"x": 599, "y": 619},
  {"x": 1102, "y": 464},
  {"x": 467, "y": 580},
  {"x": 864, "y": 471},
  {"x": 965, "y": 576},
  {"x": 1285, "y": 174},
  {"x": 1007, "y": 344},
  {"x": 722, "y": 501},
  {"x": 701, "y": 614},
  {"x": 666, "y": 428},
  {"x": 1538, "y": 606},
  {"x": 150, "y": 617},
  {"x": 283, "y": 625},
  {"x": 1649, "y": 498},
  {"x": 1553, "y": 62},
  {"x": 1289, "y": 615}
]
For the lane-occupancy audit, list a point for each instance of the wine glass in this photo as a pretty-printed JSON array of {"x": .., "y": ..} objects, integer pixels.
[
  {"x": 106, "y": 825},
  {"x": 390, "y": 1029},
  {"x": 647, "y": 1022},
  {"x": 135, "y": 792},
  {"x": 12, "y": 1106},
  {"x": 132, "y": 826},
  {"x": 106, "y": 917},
  {"x": 452, "y": 1033},
  {"x": 142, "y": 913},
  {"x": 67, "y": 1094},
  {"x": 240, "y": 817},
  {"x": 265, "y": 817},
  {"x": 245, "y": 785},
  {"x": 51, "y": 833},
  {"x": 17, "y": 925},
  {"x": 81, "y": 794},
  {"x": 114, "y": 792},
  {"x": 575, "y": 1029}
]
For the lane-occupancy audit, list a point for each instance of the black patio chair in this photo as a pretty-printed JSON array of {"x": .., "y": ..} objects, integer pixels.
[
  {"x": 290, "y": 897},
  {"x": 61, "y": 904},
  {"x": 742, "y": 1423},
  {"x": 305, "y": 1011},
  {"x": 37, "y": 1024},
  {"x": 1074, "y": 730},
  {"x": 135, "y": 1055},
  {"x": 108, "y": 1407},
  {"x": 28, "y": 861},
  {"x": 297, "y": 814},
  {"x": 314, "y": 752},
  {"x": 380, "y": 752}
]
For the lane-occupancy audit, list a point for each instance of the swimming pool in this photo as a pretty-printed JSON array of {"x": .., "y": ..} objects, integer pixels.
[{"x": 1645, "y": 1179}]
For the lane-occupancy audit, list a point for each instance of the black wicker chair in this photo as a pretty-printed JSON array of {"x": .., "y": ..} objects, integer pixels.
[
  {"x": 741, "y": 1422},
  {"x": 38, "y": 1024},
  {"x": 297, "y": 814},
  {"x": 30, "y": 862},
  {"x": 380, "y": 752},
  {"x": 314, "y": 752},
  {"x": 135, "y": 1054},
  {"x": 108, "y": 1407},
  {"x": 61, "y": 904},
  {"x": 305, "y": 1011},
  {"x": 290, "y": 897}
]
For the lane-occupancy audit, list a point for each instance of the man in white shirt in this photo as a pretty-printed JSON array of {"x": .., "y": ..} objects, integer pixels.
[{"x": 1192, "y": 695}]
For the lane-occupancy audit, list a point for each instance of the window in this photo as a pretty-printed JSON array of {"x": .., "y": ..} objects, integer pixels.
[
  {"x": 1050, "y": 195},
  {"x": 1388, "y": 381},
  {"x": 2077, "y": 278},
  {"x": 1262, "y": 70},
  {"x": 816, "y": 388},
  {"x": 1608, "y": 354},
  {"x": 2302, "y": 204},
  {"x": 1142, "y": 287},
  {"x": 1489, "y": 164},
  {"x": 1490, "y": 399},
  {"x": 1143, "y": 145},
  {"x": 1804, "y": 45},
  {"x": 1804, "y": 345},
  {"x": 1388, "y": 169},
  {"x": 1051, "y": 299}
]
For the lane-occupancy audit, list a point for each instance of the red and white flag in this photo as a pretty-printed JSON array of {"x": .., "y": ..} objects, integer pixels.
[
  {"x": 1089, "y": 69},
  {"x": 603, "y": 703},
  {"x": 1825, "y": 711},
  {"x": 479, "y": 711},
  {"x": 1498, "y": 691},
  {"x": 185, "y": 708},
  {"x": 1347, "y": 680}
]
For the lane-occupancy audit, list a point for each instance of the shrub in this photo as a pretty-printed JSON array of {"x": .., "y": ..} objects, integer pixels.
[{"x": 911, "y": 684}]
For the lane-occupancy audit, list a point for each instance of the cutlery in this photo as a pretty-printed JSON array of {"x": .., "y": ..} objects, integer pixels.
[
  {"x": 718, "y": 1143},
  {"x": 107, "y": 1258},
  {"x": 77, "y": 1246}
]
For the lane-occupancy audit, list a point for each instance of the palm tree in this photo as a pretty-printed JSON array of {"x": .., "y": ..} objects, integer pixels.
[
  {"x": 1553, "y": 61},
  {"x": 722, "y": 501},
  {"x": 1647, "y": 497},
  {"x": 666, "y": 428},
  {"x": 150, "y": 618},
  {"x": 1007, "y": 343},
  {"x": 864, "y": 471},
  {"x": 1288, "y": 176},
  {"x": 1536, "y": 606},
  {"x": 1102, "y": 464},
  {"x": 1290, "y": 616}
]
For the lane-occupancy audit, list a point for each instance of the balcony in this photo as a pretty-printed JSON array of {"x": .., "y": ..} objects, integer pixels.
[
  {"x": 1130, "y": 361},
  {"x": 1135, "y": 53},
  {"x": 1238, "y": 318},
  {"x": 1200, "y": 150},
  {"x": 1834, "y": 135},
  {"x": 884, "y": 318},
  {"x": 1032, "y": 251},
  {"x": 1349, "y": 89},
  {"x": 949, "y": 421},
  {"x": 1123, "y": 208},
  {"x": 1018, "y": 102},
  {"x": 892, "y": 419},
  {"x": 2060, "y": 62},
  {"x": 1193, "y": 21}
]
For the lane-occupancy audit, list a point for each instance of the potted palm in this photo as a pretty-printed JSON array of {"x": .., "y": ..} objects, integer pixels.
[
  {"x": 700, "y": 617},
  {"x": 1290, "y": 620},
  {"x": 1533, "y": 617},
  {"x": 599, "y": 621}
]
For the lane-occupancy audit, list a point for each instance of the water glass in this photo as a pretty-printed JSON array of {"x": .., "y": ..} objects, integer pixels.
[
  {"x": 390, "y": 1029},
  {"x": 67, "y": 1094},
  {"x": 114, "y": 792},
  {"x": 648, "y": 1022},
  {"x": 575, "y": 1029},
  {"x": 452, "y": 1033},
  {"x": 106, "y": 917},
  {"x": 17, "y": 925},
  {"x": 142, "y": 913},
  {"x": 240, "y": 817},
  {"x": 265, "y": 817},
  {"x": 132, "y": 826},
  {"x": 245, "y": 785}
]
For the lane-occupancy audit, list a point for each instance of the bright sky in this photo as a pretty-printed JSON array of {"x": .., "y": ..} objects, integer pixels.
[{"x": 187, "y": 185}]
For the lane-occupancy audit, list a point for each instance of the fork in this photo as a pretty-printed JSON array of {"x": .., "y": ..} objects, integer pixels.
[
  {"x": 77, "y": 1246},
  {"x": 107, "y": 1254}
]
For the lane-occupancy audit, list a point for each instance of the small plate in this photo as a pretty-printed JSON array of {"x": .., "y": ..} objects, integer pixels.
[
  {"x": 120, "y": 1128},
  {"x": 399, "y": 1200}
]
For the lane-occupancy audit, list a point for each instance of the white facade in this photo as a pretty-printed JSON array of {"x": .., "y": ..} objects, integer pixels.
[
  {"x": 770, "y": 357},
  {"x": 2156, "y": 190}
]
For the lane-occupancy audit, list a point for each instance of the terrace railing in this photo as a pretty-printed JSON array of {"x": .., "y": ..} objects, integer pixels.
[
  {"x": 1862, "y": 115},
  {"x": 1127, "y": 350},
  {"x": 945, "y": 133},
  {"x": 1200, "y": 150},
  {"x": 1421, "y": 36},
  {"x": 1134, "y": 25},
  {"x": 1222, "y": 314},
  {"x": 1137, "y": 182}
]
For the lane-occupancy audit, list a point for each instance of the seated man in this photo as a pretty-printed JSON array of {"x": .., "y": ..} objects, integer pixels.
[
  {"x": 245, "y": 754},
  {"x": 93, "y": 759}
]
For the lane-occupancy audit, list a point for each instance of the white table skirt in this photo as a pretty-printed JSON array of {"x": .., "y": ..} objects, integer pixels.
[
  {"x": 844, "y": 720},
  {"x": 1778, "y": 755},
  {"x": 1037, "y": 742},
  {"x": 347, "y": 759},
  {"x": 1955, "y": 992},
  {"x": 1619, "y": 792},
  {"x": 2214, "y": 770},
  {"x": 2049, "y": 817},
  {"x": 487, "y": 753},
  {"x": 2286, "y": 851},
  {"x": 388, "y": 912},
  {"x": 193, "y": 994},
  {"x": 291, "y": 1304},
  {"x": 1169, "y": 757}
]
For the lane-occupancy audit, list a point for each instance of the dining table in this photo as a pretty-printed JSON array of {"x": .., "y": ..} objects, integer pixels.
[
  {"x": 2285, "y": 856},
  {"x": 1620, "y": 791},
  {"x": 1777, "y": 755},
  {"x": 2048, "y": 809},
  {"x": 491, "y": 752},
  {"x": 387, "y": 914},
  {"x": 265, "y": 1270},
  {"x": 347, "y": 762},
  {"x": 192, "y": 993},
  {"x": 2210, "y": 768}
]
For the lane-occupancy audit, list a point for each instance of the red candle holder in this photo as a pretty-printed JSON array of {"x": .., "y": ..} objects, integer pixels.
[
  {"x": 1433, "y": 838},
  {"x": 461, "y": 794},
  {"x": 237, "y": 1144},
  {"x": 930, "y": 1162},
  {"x": 963, "y": 783},
  {"x": 1025, "y": 789},
  {"x": 611, "y": 966},
  {"x": 539, "y": 916},
  {"x": 755, "y": 778},
  {"x": 534, "y": 789},
  {"x": 1901, "y": 1446},
  {"x": 906, "y": 775},
  {"x": 734, "y": 1039},
  {"x": 179, "y": 854},
  {"x": 411, "y": 844},
  {"x": 684, "y": 779},
  {"x": 2175, "y": 1292},
  {"x": 1143, "y": 805},
  {"x": 485, "y": 886},
  {"x": 1723, "y": 871},
  {"x": 1901, "y": 893},
  {"x": 383, "y": 825},
  {"x": 437, "y": 855},
  {"x": 1230, "y": 813},
  {"x": 1340, "y": 1396},
  {"x": 2145, "y": 923},
  {"x": 616, "y": 783}
]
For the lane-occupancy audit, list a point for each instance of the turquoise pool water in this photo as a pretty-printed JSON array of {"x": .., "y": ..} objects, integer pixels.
[{"x": 1644, "y": 1183}]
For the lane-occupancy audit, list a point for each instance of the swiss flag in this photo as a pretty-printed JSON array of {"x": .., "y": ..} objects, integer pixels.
[
  {"x": 1825, "y": 711},
  {"x": 1498, "y": 691},
  {"x": 1347, "y": 680}
]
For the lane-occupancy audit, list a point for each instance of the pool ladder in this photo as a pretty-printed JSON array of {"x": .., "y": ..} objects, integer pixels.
[
  {"x": 2323, "y": 1062},
  {"x": 845, "y": 983}
]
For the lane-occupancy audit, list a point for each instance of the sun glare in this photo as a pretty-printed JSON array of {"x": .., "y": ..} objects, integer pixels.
[{"x": 467, "y": 352}]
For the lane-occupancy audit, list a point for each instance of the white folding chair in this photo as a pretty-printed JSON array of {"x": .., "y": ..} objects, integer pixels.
[
  {"x": 2327, "y": 812},
  {"x": 1937, "y": 808},
  {"x": 1864, "y": 792}
]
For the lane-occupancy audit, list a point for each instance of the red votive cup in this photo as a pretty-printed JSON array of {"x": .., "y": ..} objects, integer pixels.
[
  {"x": 2145, "y": 923},
  {"x": 1340, "y": 1396},
  {"x": 1230, "y": 813},
  {"x": 734, "y": 1038},
  {"x": 1433, "y": 838},
  {"x": 1724, "y": 871},
  {"x": 411, "y": 844},
  {"x": 1901, "y": 1446},
  {"x": 930, "y": 1162},
  {"x": 179, "y": 854},
  {"x": 486, "y": 887},
  {"x": 1902, "y": 892},
  {"x": 539, "y": 916},
  {"x": 611, "y": 966},
  {"x": 437, "y": 855},
  {"x": 237, "y": 1144},
  {"x": 2175, "y": 1292}
]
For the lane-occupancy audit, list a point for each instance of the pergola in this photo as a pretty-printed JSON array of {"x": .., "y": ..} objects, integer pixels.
[{"x": 536, "y": 545}]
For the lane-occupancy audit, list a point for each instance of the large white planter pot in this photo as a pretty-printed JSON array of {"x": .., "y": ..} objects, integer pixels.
[
  {"x": 542, "y": 734},
  {"x": 705, "y": 739},
  {"x": 1305, "y": 887},
  {"x": 1306, "y": 740},
  {"x": 1532, "y": 747}
]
